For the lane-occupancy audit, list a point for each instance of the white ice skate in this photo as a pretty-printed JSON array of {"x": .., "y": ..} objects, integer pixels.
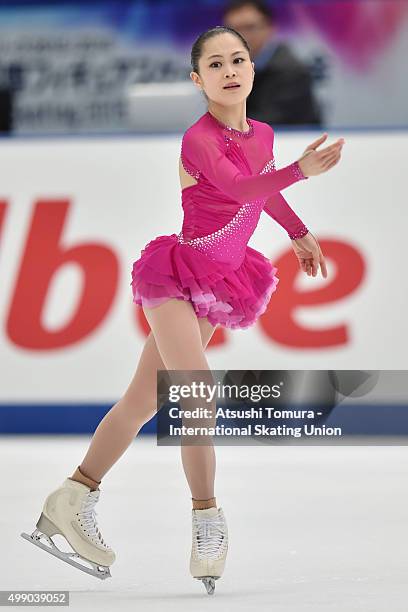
[
  {"x": 69, "y": 511},
  {"x": 209, "y": 547}
]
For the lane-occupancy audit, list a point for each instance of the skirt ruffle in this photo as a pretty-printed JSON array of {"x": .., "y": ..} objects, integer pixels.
[{"x": 231, "y": 298}]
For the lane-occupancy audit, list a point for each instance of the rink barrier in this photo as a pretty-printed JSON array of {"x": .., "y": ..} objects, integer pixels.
[{"x": 367, "y": 419}]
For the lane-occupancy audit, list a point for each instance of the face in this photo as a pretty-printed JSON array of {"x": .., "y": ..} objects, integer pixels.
[
  {"x": 224, "y": 59},
  {"x": 252, "y": 25}
]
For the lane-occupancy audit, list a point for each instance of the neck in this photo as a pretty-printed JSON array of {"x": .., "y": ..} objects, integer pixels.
[{"x": 234, "y": 116}]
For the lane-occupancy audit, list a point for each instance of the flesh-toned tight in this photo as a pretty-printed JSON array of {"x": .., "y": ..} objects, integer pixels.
[{"x": 177, "y": 341}]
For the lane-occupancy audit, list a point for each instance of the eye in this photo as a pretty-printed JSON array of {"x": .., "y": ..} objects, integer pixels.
[{"x": 237, "y": 58}]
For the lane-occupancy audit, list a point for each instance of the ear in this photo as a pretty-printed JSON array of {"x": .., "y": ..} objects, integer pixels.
[{"x": 194, "y": 77}]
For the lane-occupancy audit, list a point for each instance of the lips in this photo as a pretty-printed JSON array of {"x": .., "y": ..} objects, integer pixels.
[{"x": 231, "y": 86}]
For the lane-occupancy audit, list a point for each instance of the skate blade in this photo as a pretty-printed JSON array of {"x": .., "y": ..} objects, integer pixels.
[
  {"x": 208, "y": 582},
  {"x": 98, "y": 571}
]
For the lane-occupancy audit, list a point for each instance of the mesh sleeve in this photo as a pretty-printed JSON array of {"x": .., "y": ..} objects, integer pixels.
[
  {"x": 205, "y": 155},
  {"x": 278, "y": 208}
]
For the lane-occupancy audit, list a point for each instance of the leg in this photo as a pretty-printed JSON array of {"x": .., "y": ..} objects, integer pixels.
[
  {"x": 138, "y": 405},
  {"x": 181, "y": 348},
  {"x": 175, "y": 327}
]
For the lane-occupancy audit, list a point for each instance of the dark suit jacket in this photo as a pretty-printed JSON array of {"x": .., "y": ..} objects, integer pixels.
[
  {"x": 6, "y": 100},
  {"x": 282, "y": 91}
]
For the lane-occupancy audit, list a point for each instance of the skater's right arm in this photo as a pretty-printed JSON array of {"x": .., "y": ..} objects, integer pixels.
[{"x": 203, "y": 153}]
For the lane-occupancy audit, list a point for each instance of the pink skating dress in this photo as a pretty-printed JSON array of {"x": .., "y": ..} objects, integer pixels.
[{"x": 209, "y": 262}]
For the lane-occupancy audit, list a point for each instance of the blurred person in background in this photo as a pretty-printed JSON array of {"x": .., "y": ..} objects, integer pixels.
[
  {"x": 282, "y": 91},
  {"x": 6, "y": 115}
]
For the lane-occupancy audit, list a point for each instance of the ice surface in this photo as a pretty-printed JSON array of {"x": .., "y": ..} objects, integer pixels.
[{"x": 320, "y": 528}]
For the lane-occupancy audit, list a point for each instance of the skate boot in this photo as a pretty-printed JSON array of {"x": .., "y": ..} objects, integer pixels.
[
  {"x": 209, "y": 547},
  {"x": 69, "y": 511}
]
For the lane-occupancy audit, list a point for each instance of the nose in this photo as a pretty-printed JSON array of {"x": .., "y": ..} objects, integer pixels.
[{"x": 230, "y": 68}]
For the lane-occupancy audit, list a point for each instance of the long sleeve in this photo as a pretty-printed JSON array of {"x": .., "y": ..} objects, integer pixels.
[
  {"x": 278, "y": 208},
  {"x": 203, "y": 154}
]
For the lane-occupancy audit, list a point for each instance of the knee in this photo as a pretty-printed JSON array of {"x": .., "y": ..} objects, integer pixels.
[{"x": 140, "y": 411}]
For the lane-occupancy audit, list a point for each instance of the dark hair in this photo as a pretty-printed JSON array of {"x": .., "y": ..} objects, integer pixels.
[
  {"x": 197, "y": 48},
  {"x": 261, "y": 6}
]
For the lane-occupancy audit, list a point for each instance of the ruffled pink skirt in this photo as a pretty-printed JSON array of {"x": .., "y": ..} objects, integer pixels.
[{"x": 232, "y": 298}]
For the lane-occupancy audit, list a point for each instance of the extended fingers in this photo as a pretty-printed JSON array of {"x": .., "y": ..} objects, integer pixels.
[
  {"x": 323, "y": 266},
  {"x": 339, "y": 143},
  {"x": 317, "y": 142},
  {"x": 311, "y": 266},
  {"x": 331, "y": 160},
  {"x": 332, "y": 150},
  {"x": 315, "y": 262},
  {"x": 332, "y": 163}
]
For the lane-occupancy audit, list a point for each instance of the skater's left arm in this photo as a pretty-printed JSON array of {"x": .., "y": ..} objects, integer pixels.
[
  {"x": 278, "y": 208},
  {"x": 305, "y": 245},
  {"x": 276, "y": 205}
]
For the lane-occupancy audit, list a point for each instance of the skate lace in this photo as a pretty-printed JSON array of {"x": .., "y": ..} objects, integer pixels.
[
  {"x": 88, "y": 517},
  {"x": 210, "y": 536}
]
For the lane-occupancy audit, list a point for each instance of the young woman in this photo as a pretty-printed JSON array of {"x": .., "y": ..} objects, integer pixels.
[{"x": 187, "y": 284}]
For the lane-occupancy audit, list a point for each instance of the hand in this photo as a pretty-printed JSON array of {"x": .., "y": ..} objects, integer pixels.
[
  {"x": 310, "y": 255},
  {"x": 315, "y": 162}
]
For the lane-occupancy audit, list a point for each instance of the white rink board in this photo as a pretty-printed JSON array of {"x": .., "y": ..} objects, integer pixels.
[{"x": 123, "y": 192}]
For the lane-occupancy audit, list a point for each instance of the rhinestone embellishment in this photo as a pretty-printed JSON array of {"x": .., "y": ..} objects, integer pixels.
[
  {"x": 269, "y": 166},
  {"x": 228, "y": 243},
  {"x": 228, "y": 229},
  {"x": 299, "y": 234},
  {"x": 232, "y": 130},
  {"x": 195, "y": 173},
  {"x": 297, "y": 171}
]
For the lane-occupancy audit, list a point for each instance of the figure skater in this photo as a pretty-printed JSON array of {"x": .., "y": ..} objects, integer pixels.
[{"x": 187, "y": 284}]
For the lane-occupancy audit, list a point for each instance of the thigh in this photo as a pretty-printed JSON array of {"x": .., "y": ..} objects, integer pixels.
[
  {"x": 142, "y": 389},
  {"x": 177, "y": 333}
]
